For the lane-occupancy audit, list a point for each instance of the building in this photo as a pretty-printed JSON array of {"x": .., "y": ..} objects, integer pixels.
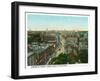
[{"x": 71, "y": 42}]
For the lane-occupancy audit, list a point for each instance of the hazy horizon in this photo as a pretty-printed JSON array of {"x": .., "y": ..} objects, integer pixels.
[{"x": 41, "y": 22}]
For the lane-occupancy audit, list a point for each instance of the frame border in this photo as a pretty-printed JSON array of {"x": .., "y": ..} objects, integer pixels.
[{"x": 15, "y": 39}]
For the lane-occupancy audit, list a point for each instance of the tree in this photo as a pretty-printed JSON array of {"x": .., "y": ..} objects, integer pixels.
[
  {"x": 83, "y": 56},
  {"x": 61, "y": 59},
  {"x": 34, "y": 37},
  {"x": 72, "y": 58}
]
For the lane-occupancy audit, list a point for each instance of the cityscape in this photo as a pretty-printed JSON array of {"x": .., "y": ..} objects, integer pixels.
[
  {"x": 54, "y": 39},
  {"x": 57, "y": 47}
]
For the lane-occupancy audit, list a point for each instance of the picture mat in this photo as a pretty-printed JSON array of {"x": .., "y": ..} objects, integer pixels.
[{"x": 69, "y": 68}]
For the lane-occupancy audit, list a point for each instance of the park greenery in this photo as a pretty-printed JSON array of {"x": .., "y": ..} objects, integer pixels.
[{"x": 64, "y": 58}]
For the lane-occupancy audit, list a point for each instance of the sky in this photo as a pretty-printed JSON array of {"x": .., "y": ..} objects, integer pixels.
[{"x": 37, "y": 21}]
